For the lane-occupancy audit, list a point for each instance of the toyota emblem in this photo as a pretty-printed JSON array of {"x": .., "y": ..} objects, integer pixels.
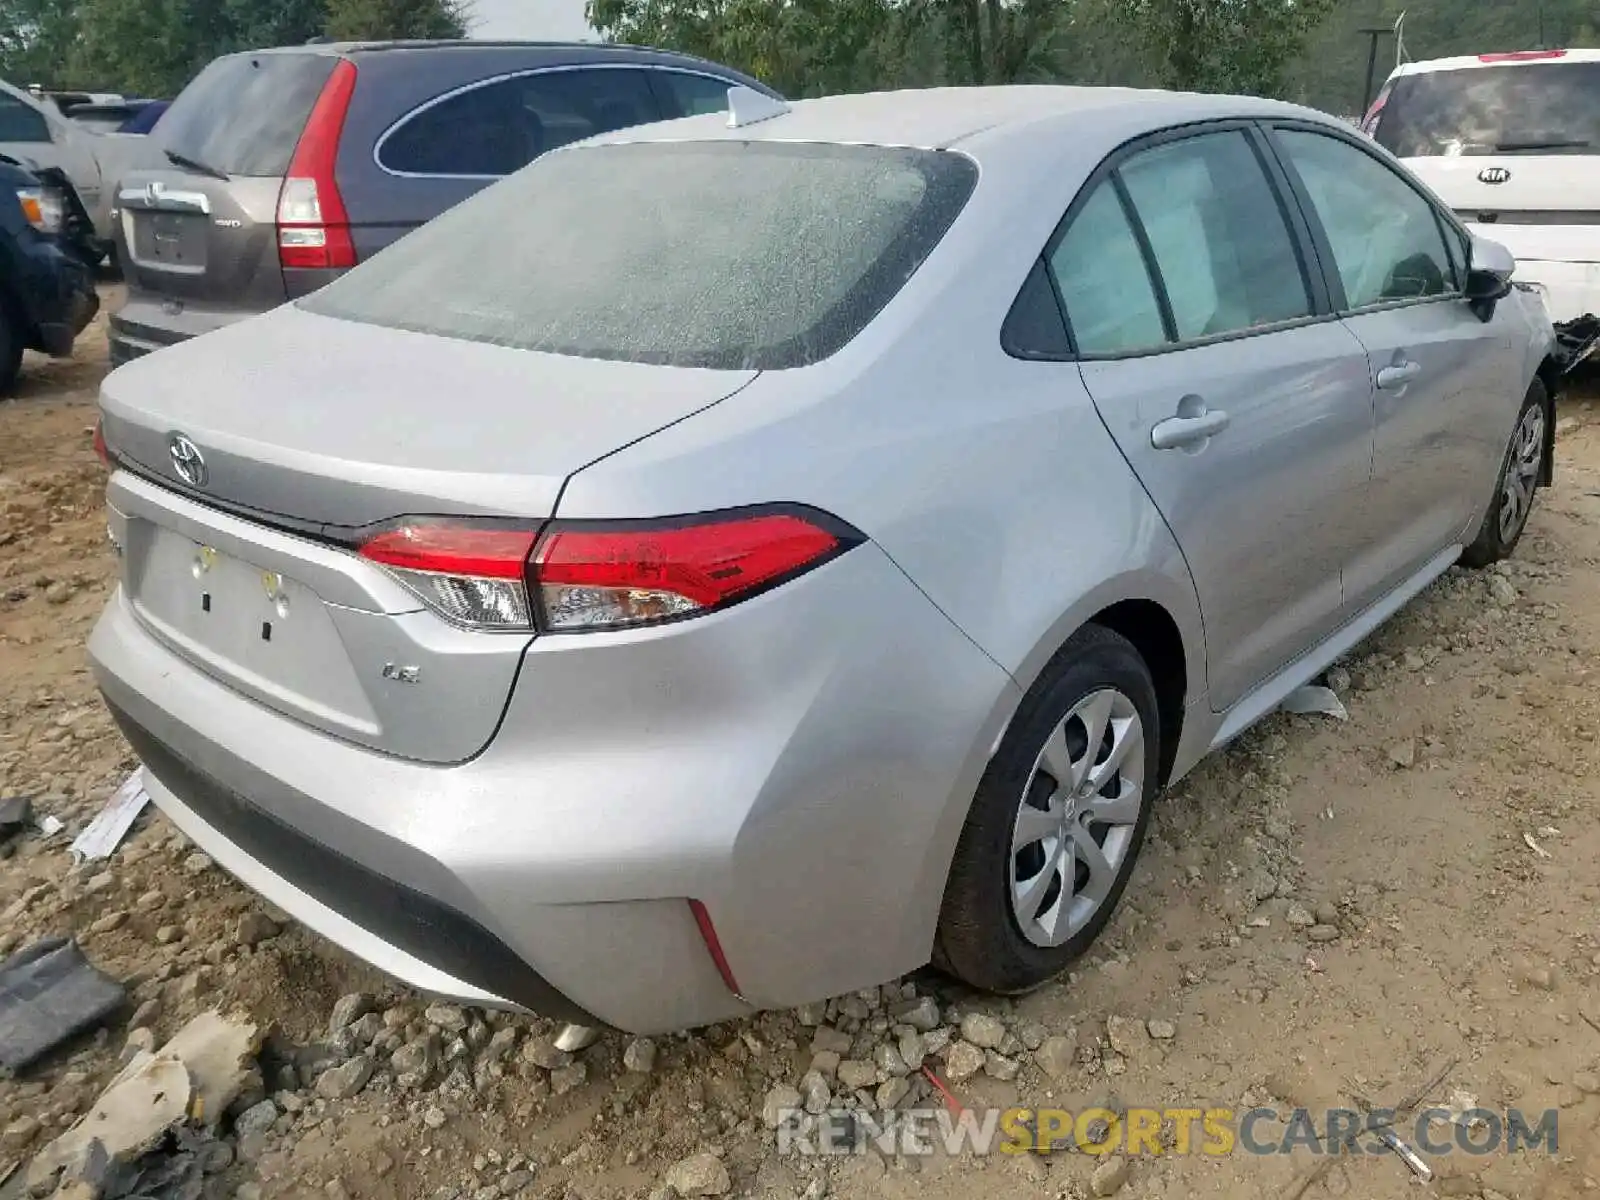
[
  {"x": 187, "y": 460},
  {"x": 1494, "y": 175}
]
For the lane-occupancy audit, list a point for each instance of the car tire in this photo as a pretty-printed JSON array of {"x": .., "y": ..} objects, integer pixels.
[
  {"x": 1007, "y": 924},
  {"x": 10, "y": 351},
  {"x": 1516, "y": 485}
]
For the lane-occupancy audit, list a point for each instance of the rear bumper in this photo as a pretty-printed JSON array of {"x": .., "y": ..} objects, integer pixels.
[
  {"x": 434, "y": 944},
  {"x": 147, "y": 323},
  {"x": 801, "y": 765}
]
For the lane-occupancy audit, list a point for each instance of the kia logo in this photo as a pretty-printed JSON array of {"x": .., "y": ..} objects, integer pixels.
[{"x": 1494, "y": 175}]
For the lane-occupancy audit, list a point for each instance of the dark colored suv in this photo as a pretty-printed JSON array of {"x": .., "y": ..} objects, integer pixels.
[{"x": 286, "y": 167}]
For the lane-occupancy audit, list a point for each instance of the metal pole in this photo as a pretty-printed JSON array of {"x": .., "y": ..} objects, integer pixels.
[{"x": 1372, "y": 66}]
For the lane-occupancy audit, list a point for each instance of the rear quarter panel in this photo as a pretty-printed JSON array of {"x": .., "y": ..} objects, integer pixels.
[{"x": 990, "y": 480}]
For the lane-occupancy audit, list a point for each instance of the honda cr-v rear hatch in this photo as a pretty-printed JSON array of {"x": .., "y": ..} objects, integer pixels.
[
  {"x": 225, "y": 225},
  {"x": 1510, "y": 141}
]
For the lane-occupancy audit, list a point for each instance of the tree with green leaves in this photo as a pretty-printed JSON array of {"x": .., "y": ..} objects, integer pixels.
[
  {"x": 154, "y": 47},
  {"x": 351, "y": 20},
  {"x": 810, "y": 47},
  {"x": 1223, "y": 45}
]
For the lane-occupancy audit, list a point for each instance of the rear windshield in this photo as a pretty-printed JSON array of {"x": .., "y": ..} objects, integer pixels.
[
  {"x": 733, "y": 255},
  {"x": 243, "y": 114},
  {"x": 1531, "y": 108}
]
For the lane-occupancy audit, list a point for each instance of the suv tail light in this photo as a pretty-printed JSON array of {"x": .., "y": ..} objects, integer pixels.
[
  {"x": 1514, "y": 56},
  {"x": 587, "y": 575},
  {"x": 101, "y": 450},
  {"x": 1369, "y": 123},
  {"x": 313, "y": 226}
]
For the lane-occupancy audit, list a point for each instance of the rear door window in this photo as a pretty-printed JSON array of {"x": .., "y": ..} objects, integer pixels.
[
  {"x": 497, "y": 128},
  {"x": 1218, "y": 235},
  {"x": 1101, "y": 273},
  {"x": 692, "y": 95},
  {"x": 21, "y": 122},
  {"x": 1218, "y": 243},
  {"x": 1387, "y": 239},
  {"x": 1515, "y": 108},
  {"x": 243, "y": 114}
]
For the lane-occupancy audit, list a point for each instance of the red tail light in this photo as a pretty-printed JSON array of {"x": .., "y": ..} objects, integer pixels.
[
  {"x": 313, "y": 226},
  {"x": 1522, "y": 56},
  {"x": 101, "y": 450},
  {"x": 1369, "y": 123},
  {"x": 599, "y": 577},
  {"x": 584, "y": 576}
]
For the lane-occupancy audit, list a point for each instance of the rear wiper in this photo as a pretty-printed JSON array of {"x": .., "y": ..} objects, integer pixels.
[
  {"x": 191, "y": 164},
  {"x": 1552, "y": 144}
]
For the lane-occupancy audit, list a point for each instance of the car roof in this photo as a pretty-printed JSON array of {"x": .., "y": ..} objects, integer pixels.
[
  {"x": 595, "y": 50},
  {"x": 938, "y": 118},
  {"x": 1511, "y": 58}
]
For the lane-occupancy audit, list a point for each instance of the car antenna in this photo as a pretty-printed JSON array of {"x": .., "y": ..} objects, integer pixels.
[{"x": 746, "y": 106}]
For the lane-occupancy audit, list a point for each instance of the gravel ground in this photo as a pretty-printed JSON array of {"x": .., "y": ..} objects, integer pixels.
[{"x": 1330, "y": 909}]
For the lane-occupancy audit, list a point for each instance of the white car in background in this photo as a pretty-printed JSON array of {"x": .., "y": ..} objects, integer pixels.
[
  {"x": 1511, "y": 142},
  {"x": 36, "y": 133}
]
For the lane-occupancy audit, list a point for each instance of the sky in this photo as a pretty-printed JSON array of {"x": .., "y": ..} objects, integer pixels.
[{"x": 558, "y": 20}]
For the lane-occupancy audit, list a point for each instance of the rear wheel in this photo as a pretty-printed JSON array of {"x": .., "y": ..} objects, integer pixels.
[
  {"x": 1057, "y": 822},
  {"x": 1517, "y": 484}
]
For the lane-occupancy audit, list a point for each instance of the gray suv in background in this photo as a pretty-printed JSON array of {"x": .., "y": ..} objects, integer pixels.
[{"x": 286, "y": 167}]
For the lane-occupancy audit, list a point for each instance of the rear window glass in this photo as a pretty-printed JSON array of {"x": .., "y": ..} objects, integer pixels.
[
  {"x": 243, "y": 114},
  {"x": 1530, "y": 108},
  {"x": 732, "y": 255}
]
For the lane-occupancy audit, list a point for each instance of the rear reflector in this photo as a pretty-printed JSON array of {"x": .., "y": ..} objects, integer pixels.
[
  {"x": 708, "y": 934},
  {"x": 313, "y": 226},
  {"x": 585, "y": 575},
  {"x": 1522, "y": 56},
  {"x": 474, "y": 576},
  {"x": 101, "y": 450},
  {"x": 591, "y": 576}
]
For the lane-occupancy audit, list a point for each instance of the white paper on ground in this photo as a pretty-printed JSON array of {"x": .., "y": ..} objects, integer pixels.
[
  {"x": 1313, "y": 699},
  {"x": 106, "y": 831}
]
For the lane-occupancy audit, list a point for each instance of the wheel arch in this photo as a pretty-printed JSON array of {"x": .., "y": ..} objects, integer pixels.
[
  {"x": 1159, "y": 612},
  {"x": 1156, "y": 636},
  {"x": 1551, "y": 375}
]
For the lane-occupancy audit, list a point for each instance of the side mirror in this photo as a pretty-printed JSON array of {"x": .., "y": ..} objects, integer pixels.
[{"x": 1489, "y": 269}]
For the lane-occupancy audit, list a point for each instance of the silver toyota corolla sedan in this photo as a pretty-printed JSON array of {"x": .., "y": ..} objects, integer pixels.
[{"x": 739, "y": 560}]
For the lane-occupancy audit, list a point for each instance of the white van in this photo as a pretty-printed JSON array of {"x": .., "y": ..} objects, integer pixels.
[{"x": 1512, "y": 143}]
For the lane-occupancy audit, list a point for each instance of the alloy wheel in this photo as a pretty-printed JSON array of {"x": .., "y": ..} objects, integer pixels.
[
  {"x": 1076, "y": 818},
  {"x": 1522, "y": 472}
]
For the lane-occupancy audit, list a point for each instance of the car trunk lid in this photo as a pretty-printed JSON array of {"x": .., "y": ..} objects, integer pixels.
[
  {"x": 311, "y": 427},
  {"x": 327, "y": 422},
  {"x": 1542, "y": 207}
]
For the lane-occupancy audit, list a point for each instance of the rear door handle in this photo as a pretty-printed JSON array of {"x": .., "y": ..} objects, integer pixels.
[
  {"x": 1392, "y": 379},
  {"x": 1177, "y": 432}
]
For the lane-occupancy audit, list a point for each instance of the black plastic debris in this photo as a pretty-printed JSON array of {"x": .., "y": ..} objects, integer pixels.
[
  {"x": 49, "y": 992},
  {"x": 15, "y": 812},
  {"x": 1576, "y": 341},
  {"x": 175, "y": 1171}
]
